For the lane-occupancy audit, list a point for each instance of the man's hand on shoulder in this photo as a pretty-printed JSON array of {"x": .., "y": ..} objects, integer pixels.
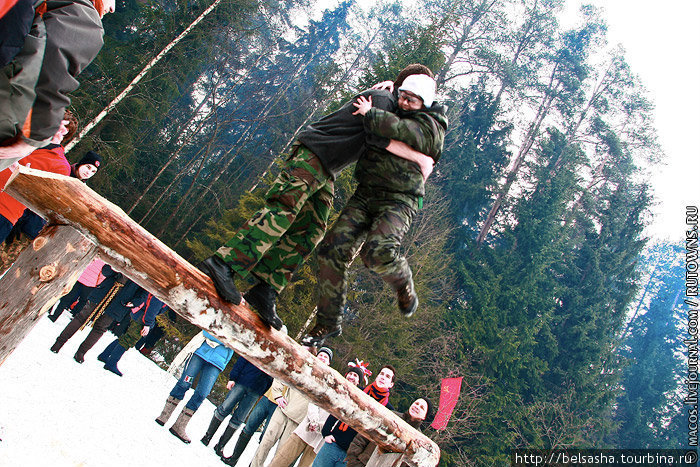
[
  {"x": 363, "y": 105},
  {"x": 385, "y": 85}
]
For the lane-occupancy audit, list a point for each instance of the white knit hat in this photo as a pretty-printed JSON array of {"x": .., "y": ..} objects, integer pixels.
[{"x": 422, "y": 86}]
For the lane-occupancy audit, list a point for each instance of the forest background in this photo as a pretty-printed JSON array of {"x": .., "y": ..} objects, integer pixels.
[{"x": 537, "y": 283}]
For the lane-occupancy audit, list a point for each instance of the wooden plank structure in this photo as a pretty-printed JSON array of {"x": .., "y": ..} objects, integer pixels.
[{"x": 84, "y": 224}]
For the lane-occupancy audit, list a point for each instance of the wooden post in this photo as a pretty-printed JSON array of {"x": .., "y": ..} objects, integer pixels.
[
  {"x": 147, "y": 261},
  {"x": 41, "y": 275}
]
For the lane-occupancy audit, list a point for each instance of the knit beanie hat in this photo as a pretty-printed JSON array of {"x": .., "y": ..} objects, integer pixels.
[
  {"x": 327, "y": 351},
  {"x": 357, "y": 371},
  {"x": 422, "y": 86},
  {"x": 429, "y": 415},
  {"x": 91, "y": 157}
]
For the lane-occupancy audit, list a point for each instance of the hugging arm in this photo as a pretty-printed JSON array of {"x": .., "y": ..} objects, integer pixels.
[{"x": 404, "y": 151}]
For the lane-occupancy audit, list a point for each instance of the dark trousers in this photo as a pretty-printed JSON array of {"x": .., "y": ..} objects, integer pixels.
[
  {"x": 98, "y": 328},
  {"x": 150, "y": 339},
  {"x": 5, "y": 228},
  {"x": 78, "y": 295}
]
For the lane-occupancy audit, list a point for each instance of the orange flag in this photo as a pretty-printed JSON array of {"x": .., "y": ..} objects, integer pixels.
[{"x": 449, "y": 394}]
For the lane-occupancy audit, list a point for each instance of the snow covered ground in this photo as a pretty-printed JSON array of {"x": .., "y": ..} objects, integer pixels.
[{"x": 54, "y": 411}]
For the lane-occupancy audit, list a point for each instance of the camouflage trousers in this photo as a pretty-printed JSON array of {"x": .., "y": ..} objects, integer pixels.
[
  {"x": 279, "y": 237},
  {"x": 131, "y": 336},
  {"x": 379, "y": 222}
]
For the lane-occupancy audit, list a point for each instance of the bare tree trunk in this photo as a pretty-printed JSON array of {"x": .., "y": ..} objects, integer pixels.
[
  {"x": 457, "y": 47},
  {"x": 140, "y": 76},
  {"x": 154, "y": 207},
  {"x": 525, "y": 147},
  {"x": 248, "y": 133},
  {"x": 176, "y": 154}
]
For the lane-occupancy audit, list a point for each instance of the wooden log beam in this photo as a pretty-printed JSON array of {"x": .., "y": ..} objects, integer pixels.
[
  {"x": 41, "y": 275},
  {"x": 147, "y": 261},
  {"x": 379, "y": 459}
]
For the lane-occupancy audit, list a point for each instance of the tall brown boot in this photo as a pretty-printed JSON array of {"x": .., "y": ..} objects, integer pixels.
[
  {"x": 168, "y": 410},
  {"x": 88, "y": 343},
  {"x": 180, "y": 425},
  {"x": 73, "y": 327}
]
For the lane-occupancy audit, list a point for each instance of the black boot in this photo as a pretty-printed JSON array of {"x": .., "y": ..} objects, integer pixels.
[
  {"x": 56, "y": 314},
  {"x": 407, "y": 298},
  {"x": 104, "y": 356},
  {"x": 114, "y": 357},
  {"x": 225, "y": 437},
  {"x": 222, "y": 276},
  {"x": 213, "y": 426},
  {"x": 317, "y": 336},
  {"x": 262, "y": 298},
  {"x": 241, "y": 444}
]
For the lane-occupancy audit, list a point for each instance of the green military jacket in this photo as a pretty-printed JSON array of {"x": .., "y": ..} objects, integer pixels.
[{"x": 385, "y": 173}]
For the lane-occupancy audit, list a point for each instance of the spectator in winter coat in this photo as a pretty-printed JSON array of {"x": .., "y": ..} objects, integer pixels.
[
  {"x": 279, "y": 237},
  {"x": 31, "y": 223},
  {"x": 86, "y": 167},
  {"x": 339, "y": 435},
  {"x": 109, "y": 302},
  {"x": 143, "y": 316},
  {"x": 361, "y": 449},
  {"x": 210, "y": 359},
  {"x": 246, "y": 384},
  {"x": 146, "y": 344},
  {"x": 64, "y": 38},
  {"x": 380, "y": 212},
  {"x": 292, "y": 406},
  {"x": 307, "y": 439},
  {"x": 50, "y": 158},
  {"x": 77, "y": 297}
]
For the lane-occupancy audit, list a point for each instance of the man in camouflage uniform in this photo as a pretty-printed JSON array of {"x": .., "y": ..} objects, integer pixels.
[
  {"x": 279, "y": 237},
  {"x": 380, "y": 212}
]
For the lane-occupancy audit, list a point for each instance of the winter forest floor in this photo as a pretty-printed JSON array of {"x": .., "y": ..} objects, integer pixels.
[{"x": 57, "y": 412}]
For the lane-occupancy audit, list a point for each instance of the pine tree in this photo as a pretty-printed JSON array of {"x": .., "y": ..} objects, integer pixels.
[{"x": 650, "y": 399}]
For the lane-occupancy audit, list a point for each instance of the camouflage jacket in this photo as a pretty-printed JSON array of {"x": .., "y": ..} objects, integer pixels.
[{"x": 385, "y": 173}]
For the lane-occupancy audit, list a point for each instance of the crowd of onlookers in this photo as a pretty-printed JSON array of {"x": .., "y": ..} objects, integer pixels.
[{"x": 300, "y": 430}]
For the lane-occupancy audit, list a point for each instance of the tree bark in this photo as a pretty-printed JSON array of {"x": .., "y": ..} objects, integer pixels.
[
  {"x": 41, "y": 275},
  {"x": 130, "y": 249}
]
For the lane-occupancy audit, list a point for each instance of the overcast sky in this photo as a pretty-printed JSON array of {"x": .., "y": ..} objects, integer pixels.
[{"x": 662, "y": 43}]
